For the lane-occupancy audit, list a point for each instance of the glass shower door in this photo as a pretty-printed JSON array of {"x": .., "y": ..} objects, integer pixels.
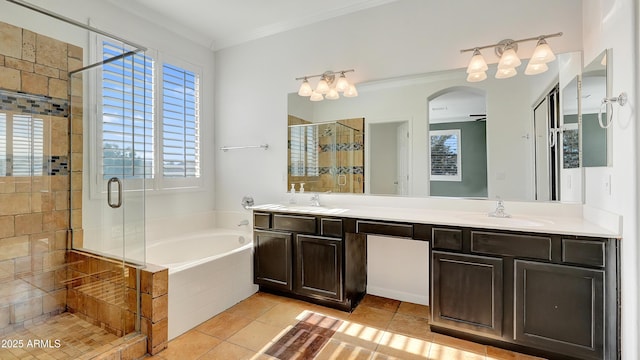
[{"x": 110, "y": 171}]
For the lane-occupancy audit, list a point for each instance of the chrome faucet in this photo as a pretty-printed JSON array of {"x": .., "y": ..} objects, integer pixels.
[
  {"x": 499, "y": 211},
  {"x": 315, "y": 200},
  {"x": 243, "y": 222}
]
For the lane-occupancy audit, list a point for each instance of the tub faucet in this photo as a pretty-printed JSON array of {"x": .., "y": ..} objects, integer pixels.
[
  {"x": 499, "y": 211},
  {"x": 244, "y": 222},
  {"x": 315, "y": 200}
]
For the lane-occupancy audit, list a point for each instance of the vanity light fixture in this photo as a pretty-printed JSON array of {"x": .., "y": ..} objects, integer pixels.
[
  {"x": 328, "y": 87},
  {"x": 507, "y": 50}
]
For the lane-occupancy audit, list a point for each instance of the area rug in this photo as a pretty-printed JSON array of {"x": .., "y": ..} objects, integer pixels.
[{"x": 306, "y": 338}]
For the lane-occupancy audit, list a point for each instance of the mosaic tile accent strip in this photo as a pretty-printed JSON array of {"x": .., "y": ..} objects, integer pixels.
[
  {"x": 341, "y": 147},
  {"x": 51, "y": 165},
  {"x": 341, "y": 170},
  {"x": 58, "y": 165},
  {"x": 33, "y": 104},
  {"x": 306, "y": 338}
]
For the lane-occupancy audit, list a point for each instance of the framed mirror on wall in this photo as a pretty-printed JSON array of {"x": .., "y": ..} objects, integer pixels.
[{"x": 399, "y": 118}]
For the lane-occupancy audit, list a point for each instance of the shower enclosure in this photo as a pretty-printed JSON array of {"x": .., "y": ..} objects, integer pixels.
[
  {"x": 74, "y": 164},
  {"x": 327, "y": 157}
]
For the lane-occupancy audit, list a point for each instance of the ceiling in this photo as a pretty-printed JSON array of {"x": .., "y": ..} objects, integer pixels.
[{"x": 223, "y": 23}]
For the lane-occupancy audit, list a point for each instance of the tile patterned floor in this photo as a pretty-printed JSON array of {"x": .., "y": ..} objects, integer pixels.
[
  {"x": 268, "y": 327},
  {"x": 61, "y": 337}
]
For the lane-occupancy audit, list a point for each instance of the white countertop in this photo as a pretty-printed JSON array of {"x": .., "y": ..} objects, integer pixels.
[{"x": 565, "y": 225}]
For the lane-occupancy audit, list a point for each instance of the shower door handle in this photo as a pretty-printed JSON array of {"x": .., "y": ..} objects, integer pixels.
[{"x": 109, "y": 183}]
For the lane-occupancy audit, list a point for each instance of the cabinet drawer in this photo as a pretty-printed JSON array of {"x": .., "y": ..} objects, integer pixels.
[
  {"x": 384, "y": 228},
  {"x": 583, "y": 252},
  {"x": 448, "y": 239},
  {"x": 528, "y": 246},
  {"x": 261, "y": 220},
  {"x": 331, "y": 227},
  {"x": 296, "y": 223}
]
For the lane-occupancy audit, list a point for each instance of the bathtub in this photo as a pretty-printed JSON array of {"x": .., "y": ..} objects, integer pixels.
[{"x": 209, "y": 271}]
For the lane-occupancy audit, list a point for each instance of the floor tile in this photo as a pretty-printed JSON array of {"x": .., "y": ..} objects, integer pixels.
[
  {"x": 257, "y": 336},
  {"x": 228, "y": 351},
  {"x": 444, "y": 352},
  {"x": 253, "y": 307},
  {"x": 409, "y": 325},
  {"x": 459, "y": 343},
  {"x": 189, "y": 345},
  {"x": 404, "y": 347},
  {"x": 223, "y": 325},
  {"x": 337, "y": 350},
  {"x": 371, "y": 316},
  {"x": 283, "y": 314},
  {"x": 379, "y": 302},
  {"x": 414, "y": 310},
  {"x": 359, "y": 335}
]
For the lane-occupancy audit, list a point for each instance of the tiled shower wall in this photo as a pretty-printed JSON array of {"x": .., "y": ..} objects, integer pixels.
[{"x": 34, "y": 208}]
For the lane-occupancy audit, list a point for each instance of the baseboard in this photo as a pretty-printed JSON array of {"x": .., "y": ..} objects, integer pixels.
[{"x": 398, "y": 295}]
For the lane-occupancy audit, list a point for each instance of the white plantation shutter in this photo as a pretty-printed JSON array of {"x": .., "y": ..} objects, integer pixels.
[
  {"x": 303, "y": 145},
  {"x": 127, "y": 114},
  {"x": 28, "y": 146},
  {"x": 180, "y": 122},
  {"x": 3, "y": 144}
]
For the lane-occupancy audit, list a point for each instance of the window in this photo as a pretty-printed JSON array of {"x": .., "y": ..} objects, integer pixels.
[
  {"x": 21, "y": 145},
  {"x": 303, "y": 146},
  {"x": 180, "y": 151},
  {"x": 127, "y": 115},
  {"x": 445, "y": 155},
  {"x": 149, "y": 131}
]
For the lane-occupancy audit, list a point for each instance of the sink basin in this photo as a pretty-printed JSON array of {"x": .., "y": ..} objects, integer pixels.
[{"x": 512, "y": 221}]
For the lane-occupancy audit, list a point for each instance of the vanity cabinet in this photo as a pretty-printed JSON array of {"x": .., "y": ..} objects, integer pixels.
[
  {"x": 272, "y": 265},
  {"x": 469, "y": 292},
  {"x": 314, "y": 258},
  {"x": 547, "y": 294}
]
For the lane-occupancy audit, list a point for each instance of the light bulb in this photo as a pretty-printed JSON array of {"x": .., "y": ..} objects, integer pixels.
[
  {"x": 351, "y": 91},
  {"x": 477, "y": 63},
  {"x": 476, "y": 76},
  {"x": 342, "y": 85},
  {"x": 542, "y": 53},
  {"x": 305, "y": 88},
  {"x": 534, "y": 69},
  {"x": 332, "y": 94},
  {"x": 509, "y": 59},
  {"x": 506, "y": 73},
  {"x": 316, "y": 96},
  {"x": 323, "y": 86}
]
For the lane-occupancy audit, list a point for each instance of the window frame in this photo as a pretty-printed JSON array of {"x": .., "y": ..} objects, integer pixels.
[{"x": 157, "y": 183}]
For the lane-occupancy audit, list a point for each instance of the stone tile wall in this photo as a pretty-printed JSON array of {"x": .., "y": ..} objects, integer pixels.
[{"x": 34, "y": 210}]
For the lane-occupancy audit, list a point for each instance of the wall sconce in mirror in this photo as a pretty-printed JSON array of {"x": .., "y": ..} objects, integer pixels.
[
  {"x": 507, "y": 51},
  {"x": 328, "y": 87},
  {"x": 608, "y": 103}
]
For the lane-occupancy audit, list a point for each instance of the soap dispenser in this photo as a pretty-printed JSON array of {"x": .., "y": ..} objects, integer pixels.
[
  {"x": 301, "y": 188},
  {"x": 292, "y": 192}
]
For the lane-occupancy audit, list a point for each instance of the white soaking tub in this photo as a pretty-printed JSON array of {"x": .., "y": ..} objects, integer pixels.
[{"x": 209, "y": 271}]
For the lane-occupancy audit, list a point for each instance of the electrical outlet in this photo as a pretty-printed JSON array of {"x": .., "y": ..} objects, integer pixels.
[{"x": 607, "y": 184}]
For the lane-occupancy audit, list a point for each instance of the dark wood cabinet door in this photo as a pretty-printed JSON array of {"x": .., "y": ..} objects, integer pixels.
[
  {"x": 319, "y": 269},
  {"x": 560, "y": 309},
  {"x": 467, "y": 293},
  {"x": 272, "y": 259}
]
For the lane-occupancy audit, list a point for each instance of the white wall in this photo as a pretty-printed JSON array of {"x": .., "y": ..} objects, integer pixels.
[
  {"x": 411, "y": 37},
  {"x": 616, "y": 22},
  {"x": 105, "y": 16},
  {"x": 397, "y": 39}
]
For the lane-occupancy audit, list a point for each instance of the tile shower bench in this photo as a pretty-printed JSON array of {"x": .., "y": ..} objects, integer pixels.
[{"x": 547, "y": 287}]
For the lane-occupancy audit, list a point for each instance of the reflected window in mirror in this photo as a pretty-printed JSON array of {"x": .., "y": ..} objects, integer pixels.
[
  {"x": 570, "y": 130},
  {"x": 458, "y": 143},
  {"x": 445, "y": 155}
]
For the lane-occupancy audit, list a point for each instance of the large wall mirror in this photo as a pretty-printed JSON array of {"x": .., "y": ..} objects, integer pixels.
[{"x": 436, "y": 134}]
